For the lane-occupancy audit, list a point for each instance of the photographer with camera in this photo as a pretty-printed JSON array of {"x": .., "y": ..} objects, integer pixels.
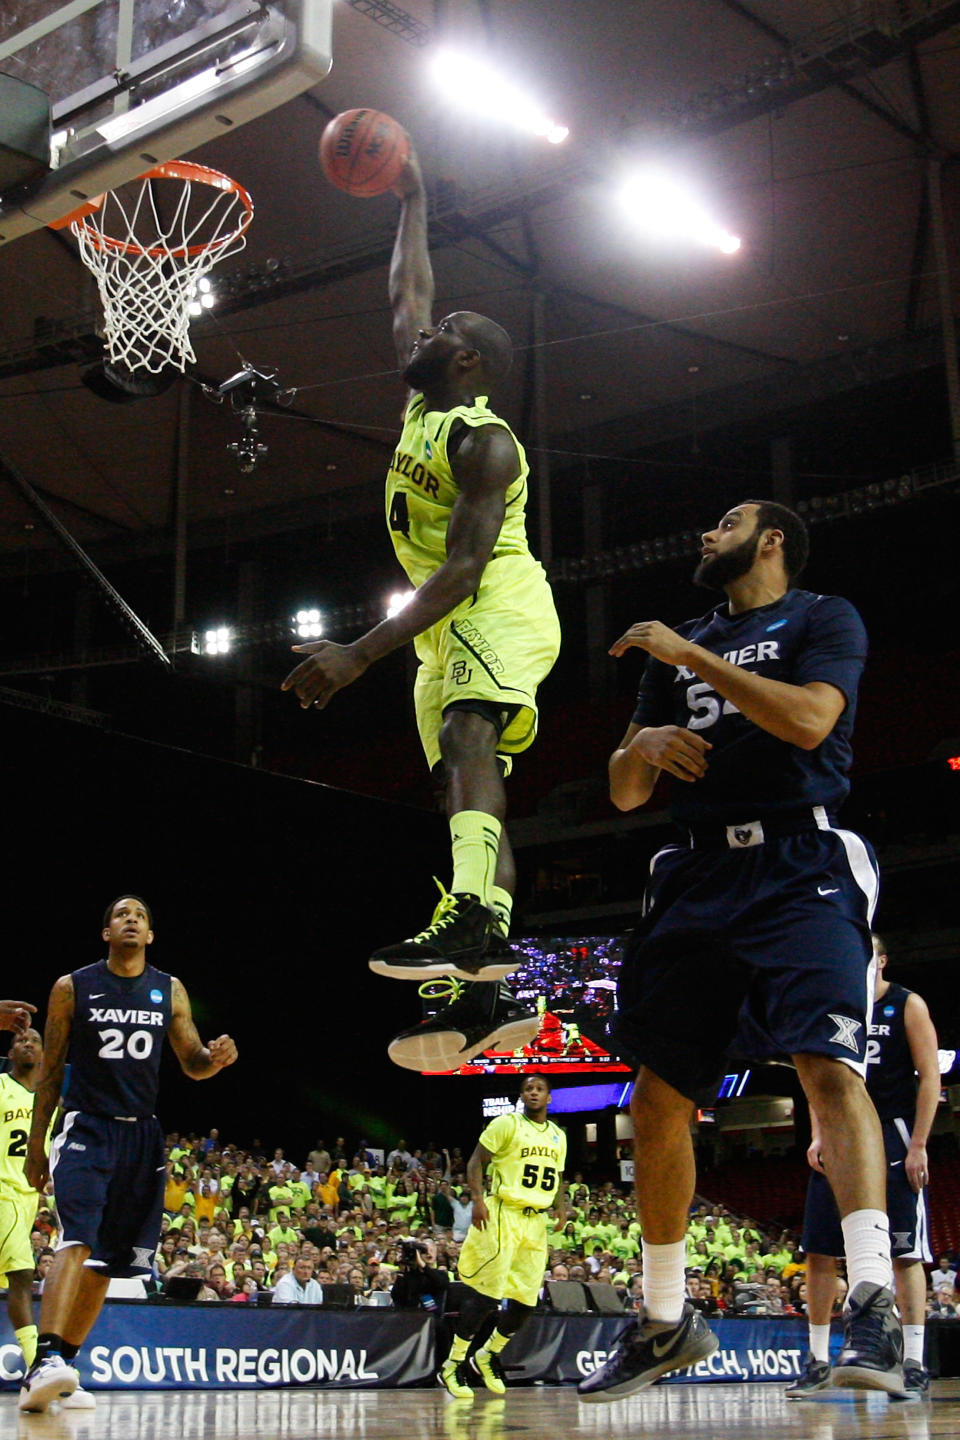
[{"x": 419, "y": 1285}]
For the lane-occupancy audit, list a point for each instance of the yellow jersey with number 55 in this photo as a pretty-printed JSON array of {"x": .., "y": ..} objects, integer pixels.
[
  {"x": 421, "y": 490},
  {"x": 16, "y": 1116},
  {"x": 527, "y": 1159}
]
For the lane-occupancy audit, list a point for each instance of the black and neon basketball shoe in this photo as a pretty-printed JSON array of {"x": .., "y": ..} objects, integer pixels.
[
  {"x": 462, "y": 939},
  {"x": 480, "y": 1017}
]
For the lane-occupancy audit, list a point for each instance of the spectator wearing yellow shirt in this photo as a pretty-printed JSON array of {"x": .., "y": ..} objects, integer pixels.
[
  {"x": 328, "y": 1190},
  {"x": 283, "y": 1232},
  {"x": 175, "y": 1190},
  {"x": 300, "y": 1192},
  {"x": 206, "y": 1200},
  {"x": 281, "y": 1198}
]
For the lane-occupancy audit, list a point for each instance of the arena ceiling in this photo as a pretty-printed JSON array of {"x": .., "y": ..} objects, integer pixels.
[{"x": 813, "y": 126}]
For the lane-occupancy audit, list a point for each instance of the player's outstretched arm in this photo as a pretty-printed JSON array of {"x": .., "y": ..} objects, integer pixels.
[
  {"x": 922, "y": 1039},
  {"x": 411, "y": 274},
  {"x": 15, "y": 1015},
  {"x": 197, "y": 1060},
  {"x": 485, "y": 466},
  {"x": 476, "y": 1165},
  {"x": 56, "y": 1040}
]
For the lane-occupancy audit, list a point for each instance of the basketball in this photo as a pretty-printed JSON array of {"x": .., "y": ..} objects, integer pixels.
[{"x": 363, "y": 151}]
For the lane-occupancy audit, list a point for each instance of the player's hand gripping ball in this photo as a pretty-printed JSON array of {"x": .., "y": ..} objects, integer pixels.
[{"x": 363, "y": 152}]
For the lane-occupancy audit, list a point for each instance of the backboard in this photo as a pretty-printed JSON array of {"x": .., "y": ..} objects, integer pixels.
[{"x": 135, "y": 83}]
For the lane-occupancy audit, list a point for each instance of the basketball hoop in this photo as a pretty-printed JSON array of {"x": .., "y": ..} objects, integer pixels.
[{"x": 148, "y": 270}]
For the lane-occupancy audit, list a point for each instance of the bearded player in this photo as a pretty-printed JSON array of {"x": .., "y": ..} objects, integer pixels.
[{"x": 485, "y": 631}]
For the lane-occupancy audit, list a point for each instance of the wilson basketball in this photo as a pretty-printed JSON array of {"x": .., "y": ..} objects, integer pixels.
[{"x": 363, "y": 151}]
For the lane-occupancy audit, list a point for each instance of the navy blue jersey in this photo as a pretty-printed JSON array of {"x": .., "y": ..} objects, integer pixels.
[
  {"x": 751, "y": 774},
  {"x": 115, "y": 1041},
  {"x": 891, "y": 1076}
]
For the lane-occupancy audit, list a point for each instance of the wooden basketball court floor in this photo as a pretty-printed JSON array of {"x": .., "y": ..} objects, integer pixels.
[{"x": 682, "y": 1412}]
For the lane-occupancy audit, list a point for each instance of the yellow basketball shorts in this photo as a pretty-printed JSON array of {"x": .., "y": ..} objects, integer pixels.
[
  {"x": 17, "y": 1214},
  {"x": 497, "y": 646},
  {"x": 506, "y": 1260}
]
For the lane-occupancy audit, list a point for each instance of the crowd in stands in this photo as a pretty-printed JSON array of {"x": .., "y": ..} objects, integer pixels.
[{"x": 387, "y": 1229}]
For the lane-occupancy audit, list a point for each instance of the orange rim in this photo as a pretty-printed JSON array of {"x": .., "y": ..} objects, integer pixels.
[{"x": 172, "y": 170}]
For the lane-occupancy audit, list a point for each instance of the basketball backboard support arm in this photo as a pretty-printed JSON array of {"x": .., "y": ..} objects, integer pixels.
[
  {"x": 144, "y": 637},
  {"x": 160, "y": 105}
]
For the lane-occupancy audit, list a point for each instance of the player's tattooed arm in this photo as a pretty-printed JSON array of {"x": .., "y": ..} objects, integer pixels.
[
  {"x": 486, "y": 464},
  {"x": 411, "y": 275},
  {"x": 476, "y": 1165},
  {"x": 56, "y": 1041},
  {"x": 646, "y": 750},
  {"x": 197, "y": 1060}
]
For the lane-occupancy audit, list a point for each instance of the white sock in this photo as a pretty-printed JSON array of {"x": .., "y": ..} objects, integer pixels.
[
  {"x": 866, "y": 1244},
  {"x": 913, "y": 1343},
  {"x": 820, "y": 1342},
  {"x": 664, "y": 1281}
]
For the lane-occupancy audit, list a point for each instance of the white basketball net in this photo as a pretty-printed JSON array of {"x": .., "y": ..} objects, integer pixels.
[{"x": 146, "y": 274}]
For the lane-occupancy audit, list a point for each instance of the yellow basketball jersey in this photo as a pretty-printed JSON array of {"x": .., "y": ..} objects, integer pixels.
[
  {"x": 527, "y": 1163},
  {"x": 421, "y": 490},
  {"x": 16, "y": 1115}
]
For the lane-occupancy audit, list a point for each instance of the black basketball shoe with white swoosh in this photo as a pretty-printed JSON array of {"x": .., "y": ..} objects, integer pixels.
[{"x": 647, "y": 1350}]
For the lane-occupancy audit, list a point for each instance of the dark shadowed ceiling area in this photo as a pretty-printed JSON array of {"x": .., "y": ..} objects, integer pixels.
[
  {"x": 651, "y": 380},
  {"x": 810, "y": 127}
]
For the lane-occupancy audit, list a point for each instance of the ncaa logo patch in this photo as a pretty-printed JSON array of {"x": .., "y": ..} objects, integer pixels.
[
  {"x": 888, "y": 1010},
  {"x": 777, "y": 625},
  {"x": 846, "y": 1034},
  {"x": 156, "y": 996}
]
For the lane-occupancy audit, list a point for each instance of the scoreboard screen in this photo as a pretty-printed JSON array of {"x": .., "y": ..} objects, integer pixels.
[{"x": 571, "y": 984}]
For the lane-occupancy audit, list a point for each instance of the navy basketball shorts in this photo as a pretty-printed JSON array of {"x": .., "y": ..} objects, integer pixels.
[
  {"x": 906, "y": 1210},
  {"x": 757, "y": 947},
  {"x": 108, "y": 1183}
]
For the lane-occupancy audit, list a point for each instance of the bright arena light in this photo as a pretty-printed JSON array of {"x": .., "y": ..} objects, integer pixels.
[
  {"x": 663, "y": 208},
  {"x": 476, "y": 86},
  {"x": 397, "y": 601},
  {"x": 308, "y": 624},
  {"x": 217, "y": 642}
]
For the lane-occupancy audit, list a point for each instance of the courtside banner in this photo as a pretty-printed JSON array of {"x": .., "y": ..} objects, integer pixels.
[
  {"x": 555, "y": 1349},
  {"x": 142, "y": 1346}
]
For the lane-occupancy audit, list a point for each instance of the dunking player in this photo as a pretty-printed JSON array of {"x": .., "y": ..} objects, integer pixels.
[
  {"x": 485, "y": 631},
  {"x": 18, "y": 1199},
  {"x": 107, "y": 1161},
  {"x": 505, "y": 1251},
  {"x": 757, "y": 927},
  {"x": 903, "y": 1081}
]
